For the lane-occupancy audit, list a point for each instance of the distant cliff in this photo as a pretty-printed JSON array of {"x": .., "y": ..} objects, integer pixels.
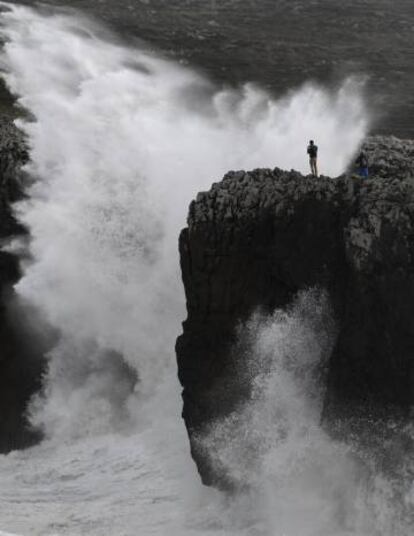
[
  {"x": 255, "y": 239},
  {"x": 21, "y": 362}
]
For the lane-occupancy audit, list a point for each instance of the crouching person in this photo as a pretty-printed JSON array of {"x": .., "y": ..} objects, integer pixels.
[{"x": 362, "y": 163}]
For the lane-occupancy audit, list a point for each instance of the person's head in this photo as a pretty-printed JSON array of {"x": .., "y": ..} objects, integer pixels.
[{"x": 311, "y": 142}]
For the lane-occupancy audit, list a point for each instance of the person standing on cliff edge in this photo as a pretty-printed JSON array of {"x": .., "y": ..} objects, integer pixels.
[{"x": 313, "y": 158}]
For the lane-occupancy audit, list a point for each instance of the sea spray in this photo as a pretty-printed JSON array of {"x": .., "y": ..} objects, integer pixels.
[
  {"x": 272, "y": 447},
  {"x": 284, "y": 473},
  {"x": 120, "y": 142}
]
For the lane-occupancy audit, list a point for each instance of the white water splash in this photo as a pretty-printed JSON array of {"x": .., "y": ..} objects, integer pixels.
[
  {"x": 272, "y": 446},
  {"x": 292, "y": 477},
  {"x": 120, "y": 143}
]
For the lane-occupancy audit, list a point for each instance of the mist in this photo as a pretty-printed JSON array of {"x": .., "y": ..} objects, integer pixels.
[{"x": 121, "y": 141}]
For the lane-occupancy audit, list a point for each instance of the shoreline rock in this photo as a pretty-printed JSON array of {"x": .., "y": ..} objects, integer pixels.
[
  {"x": 258, "y": 238},
  {"x": 21, "y": 352}
]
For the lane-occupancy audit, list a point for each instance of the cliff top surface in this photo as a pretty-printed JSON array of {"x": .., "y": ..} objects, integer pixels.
[{"x": 241, "y": 195}]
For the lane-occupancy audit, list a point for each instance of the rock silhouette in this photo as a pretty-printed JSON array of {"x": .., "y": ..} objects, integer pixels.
[
  {"x": 21, "y": 361},
  {"x": 257, "y": 238}
]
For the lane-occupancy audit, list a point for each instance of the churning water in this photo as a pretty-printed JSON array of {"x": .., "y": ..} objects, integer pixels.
[{"x": 120, "y": 142}]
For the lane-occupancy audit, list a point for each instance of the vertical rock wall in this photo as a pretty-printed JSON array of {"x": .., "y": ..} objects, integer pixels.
[
  {"x": 256, "y": 239},
  {"x": 21, "y": 352}
]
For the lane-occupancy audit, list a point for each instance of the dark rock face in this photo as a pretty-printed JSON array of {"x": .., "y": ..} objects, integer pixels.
[
  {"x": 390, "y": 157},
  {"x": 256, "y": 239},
  {"x": 21, "y": 363}
]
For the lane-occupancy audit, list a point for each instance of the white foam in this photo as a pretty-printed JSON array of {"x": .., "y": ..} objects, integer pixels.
[{"x": 121, "y": 142}]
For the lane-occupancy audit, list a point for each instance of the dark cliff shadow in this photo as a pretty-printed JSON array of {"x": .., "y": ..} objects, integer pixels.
[{"x": 256, "y": 240}]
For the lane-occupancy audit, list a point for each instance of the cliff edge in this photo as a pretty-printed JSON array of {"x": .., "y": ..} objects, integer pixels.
[
  {"x": 21, "y": 361},
  {"x": 256, "y": 239}
]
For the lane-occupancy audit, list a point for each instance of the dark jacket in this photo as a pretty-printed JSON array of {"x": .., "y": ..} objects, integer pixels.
[
  {"x": 312, "y": 151},
  {"x": 362, "y": 160}
]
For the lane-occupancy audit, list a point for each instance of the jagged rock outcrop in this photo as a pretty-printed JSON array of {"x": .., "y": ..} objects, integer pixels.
[
  {"x": 256, "y": 239},
  {"x": 390, "y": 157},
  {"x": 21, "y": 363}
]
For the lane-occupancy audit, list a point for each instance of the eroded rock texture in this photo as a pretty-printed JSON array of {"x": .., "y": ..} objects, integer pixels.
[
  {"x": 256, "y": 239},
  {"x": 20, "y": 354}
]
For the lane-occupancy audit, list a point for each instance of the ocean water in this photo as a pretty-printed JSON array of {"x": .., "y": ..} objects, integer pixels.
[
  {"x": 279, "y": 44},
  {"x": 121, "y": 139}
]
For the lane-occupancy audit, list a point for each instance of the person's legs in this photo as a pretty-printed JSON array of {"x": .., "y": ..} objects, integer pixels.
[{"x": 314, "y": 167}]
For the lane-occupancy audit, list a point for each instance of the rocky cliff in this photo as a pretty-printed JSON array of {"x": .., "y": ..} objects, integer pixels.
[
  {"x": 21, "y": 363},
  {"x": 256, "y": 239}
]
